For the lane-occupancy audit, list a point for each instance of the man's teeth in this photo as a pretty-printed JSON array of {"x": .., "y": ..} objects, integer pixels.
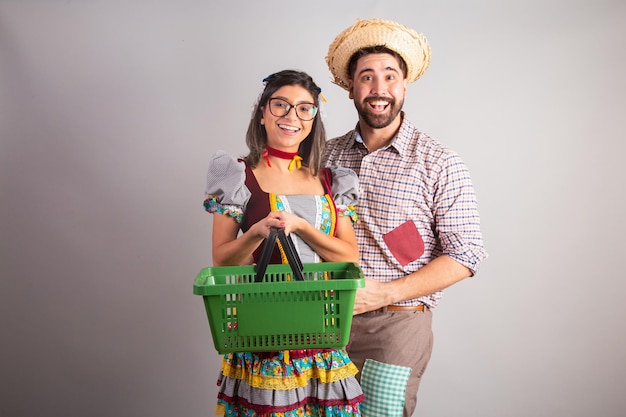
[{"x": 288, "y": 127}]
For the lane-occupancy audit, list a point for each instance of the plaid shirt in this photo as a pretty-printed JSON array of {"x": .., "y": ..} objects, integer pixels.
[{"x": 416, "y": 179}]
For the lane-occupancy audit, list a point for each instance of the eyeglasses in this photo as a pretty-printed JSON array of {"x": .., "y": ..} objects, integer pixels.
[{"x": 304, "y": 111}]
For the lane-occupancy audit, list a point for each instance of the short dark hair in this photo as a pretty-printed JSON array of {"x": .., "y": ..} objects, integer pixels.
[
  {"x": 312, "y": 147},
  {"x": 378, "y": 49}
]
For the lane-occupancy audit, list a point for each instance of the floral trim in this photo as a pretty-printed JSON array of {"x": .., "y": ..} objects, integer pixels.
[
  {"x": 349, "y": 211},
  {"x": 282, "y": 372},
  {"x": 286, "y": 382},
  {"x": 333, "y": 215},
  {"x": 327, "y": 219},
  {"x": 211, "y": 205}
]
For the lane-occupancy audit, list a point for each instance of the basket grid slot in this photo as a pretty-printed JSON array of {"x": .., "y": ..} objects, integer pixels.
[
  {"x": 270, "y": 277},
  {"x": 281, "y": 341},
  {"x": 238, "y": 279},
  {"x": 229, "y": 311}
]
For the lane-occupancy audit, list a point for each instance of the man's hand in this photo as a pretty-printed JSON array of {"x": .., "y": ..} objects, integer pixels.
[
  {"x": 438, "y": 274},
  {"x": 371, "y": 297}
]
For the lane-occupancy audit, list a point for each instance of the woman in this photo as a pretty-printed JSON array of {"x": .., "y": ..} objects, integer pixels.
[{"x": 280, "y": 184}]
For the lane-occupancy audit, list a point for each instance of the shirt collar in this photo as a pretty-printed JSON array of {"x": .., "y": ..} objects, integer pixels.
[{"x": 400, "y": 141}]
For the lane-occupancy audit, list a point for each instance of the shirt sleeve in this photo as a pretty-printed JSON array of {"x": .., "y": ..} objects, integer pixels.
[
  {"x": 226, "y": 192},
  {"x": 458, "y": 221},
  {"x": 345, "y": 189}
]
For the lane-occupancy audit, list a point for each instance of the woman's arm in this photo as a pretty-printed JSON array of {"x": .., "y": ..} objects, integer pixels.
[{"x": 229, "y": 249}]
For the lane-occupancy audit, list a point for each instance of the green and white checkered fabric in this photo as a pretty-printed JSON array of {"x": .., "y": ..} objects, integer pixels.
[{"x": 384, "y": 386}]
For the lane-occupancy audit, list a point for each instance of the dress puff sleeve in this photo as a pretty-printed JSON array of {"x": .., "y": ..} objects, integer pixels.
[
  {"x": 226, "y": 192},
  {"x": 345, "y": 189}
]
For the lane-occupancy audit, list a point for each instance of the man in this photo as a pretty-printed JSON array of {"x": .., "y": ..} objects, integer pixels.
[{"x": 418, "y": 229}]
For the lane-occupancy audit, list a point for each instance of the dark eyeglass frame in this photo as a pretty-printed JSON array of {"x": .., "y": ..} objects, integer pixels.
[{"x": 289, "y": 106}]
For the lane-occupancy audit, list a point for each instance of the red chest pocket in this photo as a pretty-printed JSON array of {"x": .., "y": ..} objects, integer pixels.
[{"x": 405, "y": 242}]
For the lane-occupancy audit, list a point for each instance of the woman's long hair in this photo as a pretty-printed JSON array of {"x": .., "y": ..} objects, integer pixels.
[{"x": 312, "y": 147}]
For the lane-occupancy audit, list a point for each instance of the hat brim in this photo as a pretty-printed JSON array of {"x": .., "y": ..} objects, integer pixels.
[{"x": 409, "y": 44}]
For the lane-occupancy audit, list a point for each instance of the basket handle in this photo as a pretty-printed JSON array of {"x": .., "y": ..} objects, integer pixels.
[{"x": 290, "y": 252}]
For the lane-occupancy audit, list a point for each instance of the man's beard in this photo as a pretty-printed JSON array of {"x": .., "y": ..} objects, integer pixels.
[{"x": 376, "y": 120}]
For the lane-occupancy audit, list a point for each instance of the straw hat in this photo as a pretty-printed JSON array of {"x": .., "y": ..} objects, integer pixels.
[{"x": 412, "y": 47}]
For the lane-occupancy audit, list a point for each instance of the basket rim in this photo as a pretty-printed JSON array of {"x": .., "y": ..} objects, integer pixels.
[{"x": 205, "y": 282}]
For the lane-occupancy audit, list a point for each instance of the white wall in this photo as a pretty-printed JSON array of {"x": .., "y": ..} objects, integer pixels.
[{"x": 109, "y": 110}]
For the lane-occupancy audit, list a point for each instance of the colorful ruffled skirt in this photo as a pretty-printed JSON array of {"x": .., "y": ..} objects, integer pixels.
[{"x": 290, "y": 383}]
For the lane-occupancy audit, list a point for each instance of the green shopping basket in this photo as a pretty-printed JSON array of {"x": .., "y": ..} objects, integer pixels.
[{"x": 279, "y": 307}]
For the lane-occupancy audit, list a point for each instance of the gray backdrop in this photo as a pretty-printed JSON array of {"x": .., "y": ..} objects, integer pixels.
[{"x": 110, "y": 109}]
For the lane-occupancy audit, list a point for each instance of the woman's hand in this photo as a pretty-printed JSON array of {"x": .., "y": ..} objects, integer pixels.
[
  {"x": 287, "y": 221},
  {"x": 291, "y": 223},
  {"x": 231, "y": 249}
]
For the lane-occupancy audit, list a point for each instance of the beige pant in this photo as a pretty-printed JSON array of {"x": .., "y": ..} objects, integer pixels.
[{"x": 402, "y": 338}]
